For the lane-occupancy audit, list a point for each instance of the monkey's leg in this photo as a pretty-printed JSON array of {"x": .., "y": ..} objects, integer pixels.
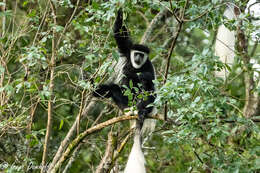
[
  {"x": 118, "y": 96},
  {"x": 144, "y": 109}
]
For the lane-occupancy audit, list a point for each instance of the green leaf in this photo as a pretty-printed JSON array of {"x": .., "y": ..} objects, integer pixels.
[
  {"x": 115, "y": 55},
  {"x": 6, "y": 13},
  {"x": 214, "y": 1},
  {"x": 131, "y": 84},
  {"x": 25, "y": 3},
  {"x": 197, "y": 99},
  {"x": 61, "y": 124},
  {"x": 58, "y": 28},
  {"x": 257, "y": 164}
]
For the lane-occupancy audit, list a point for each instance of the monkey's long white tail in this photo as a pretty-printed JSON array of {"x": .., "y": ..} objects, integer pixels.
[
  {"x": 136, "y": 160},
  {"x": 225, "y": 44}
]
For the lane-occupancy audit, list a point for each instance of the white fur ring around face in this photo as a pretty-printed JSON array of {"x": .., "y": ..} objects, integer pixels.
[{"x": 142, "y": 60}]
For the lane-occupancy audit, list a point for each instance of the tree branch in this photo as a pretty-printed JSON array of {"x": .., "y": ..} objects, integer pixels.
[
  {"x": 51, "y": 86},
  {"x": 3, "y": 9},
  {"x": 68, "y": 23},
  {"x": 251, "y": 96},
  {"x": 72, "y": 158},
  {"x": 71, "y": 133},
  {"x": 180, "y": 23},
  {"x": 87, "y": 132},
  {"x": 107, "y": 160},
  {"x": 154, "y": 23}
]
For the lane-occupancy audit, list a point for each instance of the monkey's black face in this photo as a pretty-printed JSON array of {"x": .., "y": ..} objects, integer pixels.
[{"x": 138, "y": 58}]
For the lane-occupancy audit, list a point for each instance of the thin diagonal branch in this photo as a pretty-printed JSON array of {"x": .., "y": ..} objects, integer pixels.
[
  {"x": 108, "y": 156},
  {"x": 154, "y": 23},
  {"x": 171, "y": 50},
  {"x": 72, "y": 159},
  {"x": 180, "y": 23},
  {"x": 68, "y": 23},
  {"x": 51, "y": 86}
]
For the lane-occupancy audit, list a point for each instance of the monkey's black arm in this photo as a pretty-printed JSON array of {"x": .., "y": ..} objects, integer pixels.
[
  {"x": 121, "y": 35},
  {"x": 115, "y": 92}
]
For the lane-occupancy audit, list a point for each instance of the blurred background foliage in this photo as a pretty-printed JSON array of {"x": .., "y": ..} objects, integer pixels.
[{"x": 206, "y": 130}]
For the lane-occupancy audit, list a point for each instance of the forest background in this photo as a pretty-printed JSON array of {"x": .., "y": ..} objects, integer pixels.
[{"x": 54, "y": 54}]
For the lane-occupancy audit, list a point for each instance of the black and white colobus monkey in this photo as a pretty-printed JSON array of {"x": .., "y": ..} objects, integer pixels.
[{"x": 134, "y": 65}]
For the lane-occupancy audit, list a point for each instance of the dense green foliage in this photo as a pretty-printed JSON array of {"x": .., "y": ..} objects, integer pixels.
[{"x": 206, "y": 130}]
